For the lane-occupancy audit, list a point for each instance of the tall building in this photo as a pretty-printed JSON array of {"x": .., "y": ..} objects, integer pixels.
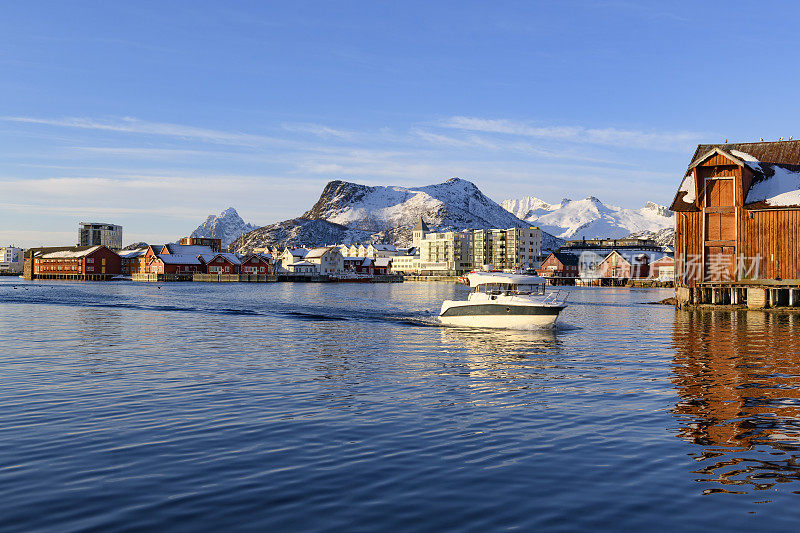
[
  {"x": 446, "y": 253},
  {"x": 11, "y": 260},
  {"x": 100, "y": 234},
  {"x": 214, "y": 244},
  {"x": 507, "y": 249}
]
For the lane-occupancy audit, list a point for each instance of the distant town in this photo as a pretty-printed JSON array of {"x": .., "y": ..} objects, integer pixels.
[{"x": 99, "y": 256}]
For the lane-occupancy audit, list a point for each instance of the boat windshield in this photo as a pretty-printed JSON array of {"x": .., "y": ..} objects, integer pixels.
[{"x": 511, "y": 288}]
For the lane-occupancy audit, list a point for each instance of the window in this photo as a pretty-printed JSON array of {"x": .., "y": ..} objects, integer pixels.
[{"x": 90, "y": 259}]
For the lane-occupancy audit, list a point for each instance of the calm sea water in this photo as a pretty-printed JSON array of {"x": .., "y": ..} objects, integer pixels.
[{"x": 213, "y": 407}]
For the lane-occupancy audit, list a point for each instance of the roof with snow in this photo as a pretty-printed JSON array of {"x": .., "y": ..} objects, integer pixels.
[
  {"x": 319, "y": 252},
  {"x": 70, "y": 252},
  {"x": 382, "y": 261},
  {"x": 775, "y": 167},
  {"x": 384, "y": 247},
  {"x": 189, "y": 249},
  {"x": 230, "y": 257},
  {"x": 301, "y": 263},
  {"x": 130, "y": 254},
  {"x": 179, "y": 259}
]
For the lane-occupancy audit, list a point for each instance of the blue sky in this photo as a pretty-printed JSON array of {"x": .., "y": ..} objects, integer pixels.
[{"x": 155, "y": 114}]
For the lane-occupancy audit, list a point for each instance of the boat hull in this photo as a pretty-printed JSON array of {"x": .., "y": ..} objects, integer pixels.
[{"x": 500, "y": 315}]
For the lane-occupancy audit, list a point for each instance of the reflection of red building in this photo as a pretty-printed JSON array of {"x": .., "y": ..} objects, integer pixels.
[{"x": 737, "y": 377}]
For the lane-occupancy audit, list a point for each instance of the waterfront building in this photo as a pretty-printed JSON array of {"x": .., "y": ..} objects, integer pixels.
[
  {"x": 92, "y": 263},
  {"x": 289, "y": 257},
  {"x": 328, "y": 260},
  {"x": 663, "y": 269},
  {"x": 509, "y": 249},
  {"x": 559, "y": 265},
  {"x": 738, "y": 220},
  {"x": 624, "y": 266},
  {"x": 257, "y": 264},
  {"x": 133, "y": 261},
  {"x": 11, "y": 260},
  {"x": 406, "y": 263},
  {"x": 222, "y": 263},
  {"x": 448, "y": 253},
  {"x": 100, "y": 234},
  {"x": 175, "y": 264},
  {"x": 214, "y": 244}
]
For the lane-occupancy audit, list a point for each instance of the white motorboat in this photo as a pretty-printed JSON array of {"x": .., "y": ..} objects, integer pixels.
[{"x": 497, "y": 300}]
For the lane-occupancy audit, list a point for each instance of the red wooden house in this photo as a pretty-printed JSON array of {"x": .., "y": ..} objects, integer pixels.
[
  {"x": 175, "y": 264},
  {"x": 559, "y": 265},
  {"x": 257, "y": 264},
  {"x": 624, "y": 266},
  {"x": 224, "y": 263}
]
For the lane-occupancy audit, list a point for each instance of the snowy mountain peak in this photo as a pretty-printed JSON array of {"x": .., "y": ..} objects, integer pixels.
[
  {"x": 590, "y": 217},
  {"x": 455, "y": 204},
  {"x": 227, "y": 226}
]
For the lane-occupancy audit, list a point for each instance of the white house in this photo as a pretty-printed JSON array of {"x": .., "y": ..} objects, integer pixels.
[
  {"x": 327, "y": 259},
  {"x": 288, "y": 257}
]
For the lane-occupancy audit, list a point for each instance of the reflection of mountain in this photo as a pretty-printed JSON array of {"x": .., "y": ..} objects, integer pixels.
[{"x": 737, "y": 377}]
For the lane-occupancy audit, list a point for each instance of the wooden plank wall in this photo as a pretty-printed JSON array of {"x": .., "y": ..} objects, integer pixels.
[{"x": 773, "y": 235}]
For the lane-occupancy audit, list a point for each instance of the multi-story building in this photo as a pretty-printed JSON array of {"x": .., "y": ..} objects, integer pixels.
[
  {"x": 507, "y": 249},
  {"x": 72, "y": 262},
  {"x": 446, "y": 253},
  {"x": 100, "y": 234},
  {"x": 11, "y": 260}
]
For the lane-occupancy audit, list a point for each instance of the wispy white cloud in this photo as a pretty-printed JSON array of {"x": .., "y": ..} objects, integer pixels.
[
  {"x": 578, "y": 134},
  {"x": 320, "y": 130},
  {"x": 134, "y": 125}
]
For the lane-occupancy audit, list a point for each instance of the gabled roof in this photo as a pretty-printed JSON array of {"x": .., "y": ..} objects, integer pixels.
[
  {"x": 319, "y": 252},
  {"x": 179, "y": 259},
  {"x": 566, "y": 259},
  {"x": 421, "y": 226},
  {"x": 775, "y": 167},
  {"x": 67, "y": 252},
  {"x": 261, "y": 257},
  {"x": 384, "y": 247},
  {"x": 188, "y": 249},
  {"x": 229, "y": 257}
]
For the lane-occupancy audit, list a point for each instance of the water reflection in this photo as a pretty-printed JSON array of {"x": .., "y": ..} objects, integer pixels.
[
  {"x": 514, "y": 343},
  {"x": 738, "y": 376}
]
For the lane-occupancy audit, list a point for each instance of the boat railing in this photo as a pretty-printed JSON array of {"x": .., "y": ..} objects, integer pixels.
[{"x": 557, "y": 297}]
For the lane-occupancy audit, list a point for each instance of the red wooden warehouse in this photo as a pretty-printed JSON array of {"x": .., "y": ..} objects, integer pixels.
[{"x": 737, "y": 224}]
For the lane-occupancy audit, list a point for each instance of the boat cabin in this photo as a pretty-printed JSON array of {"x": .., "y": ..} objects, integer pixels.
[{"x": 511, "y": 284}]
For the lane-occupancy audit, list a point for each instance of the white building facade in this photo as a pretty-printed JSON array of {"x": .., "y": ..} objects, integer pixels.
[{"x": 11, "y": 260}]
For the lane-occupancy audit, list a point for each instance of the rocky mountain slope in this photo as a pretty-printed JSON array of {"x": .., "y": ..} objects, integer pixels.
[
  {"x": 359, "y": 213},
  {"x": 299, "y": 232},
  {"x": 227, "y": 226},
  {"x": 664, "y": 236},
  {"x": 590, "y": 218}
]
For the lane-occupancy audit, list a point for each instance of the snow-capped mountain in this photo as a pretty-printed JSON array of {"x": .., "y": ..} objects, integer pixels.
[
  {"x": 360, "y": 213},
  {"x": 453, "y": 205},
  {"x": 590, "y": 218},
  {"x": 227, "y": 226}
]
